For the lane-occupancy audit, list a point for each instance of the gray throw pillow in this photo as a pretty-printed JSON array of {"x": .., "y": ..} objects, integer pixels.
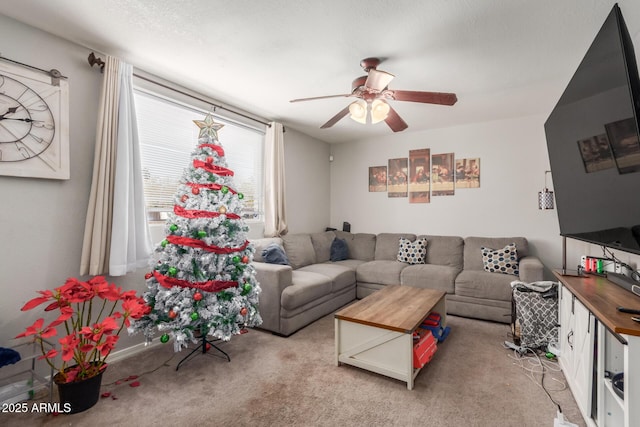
[
  {"x": 339, "y": 250},
  {"x": 274, "y": 254}
]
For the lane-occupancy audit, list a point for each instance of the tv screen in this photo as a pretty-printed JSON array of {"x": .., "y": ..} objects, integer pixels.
[{"x": 593, "y": 144}]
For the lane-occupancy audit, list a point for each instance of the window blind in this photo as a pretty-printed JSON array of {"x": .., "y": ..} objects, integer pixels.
[{"x": 167, "y": 138}]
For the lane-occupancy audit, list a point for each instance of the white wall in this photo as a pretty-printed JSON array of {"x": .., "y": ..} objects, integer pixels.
[
  {"x": 513, "y": 158},
  {"x": 307, "y": 181},
  {"x": 43, "y": 220}
]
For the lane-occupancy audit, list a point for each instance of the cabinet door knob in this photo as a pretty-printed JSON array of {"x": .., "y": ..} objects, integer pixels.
[{"x": 569, "y": 337}]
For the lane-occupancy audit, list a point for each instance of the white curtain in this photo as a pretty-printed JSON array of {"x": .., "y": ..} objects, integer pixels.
[
  {"x": 275, "y": 221},
  {"x": 116, "y": 238},
  {"x": 130, "y": 238}
]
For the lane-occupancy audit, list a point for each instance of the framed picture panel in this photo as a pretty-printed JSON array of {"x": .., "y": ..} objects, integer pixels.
[
  {"x": 442, "y": 175},
  {"x": 397, "y": 178},
  {"x": 377, "y": 178},
  {"x": 419, "y": 166},
  {"x": 468, "y": 173}
]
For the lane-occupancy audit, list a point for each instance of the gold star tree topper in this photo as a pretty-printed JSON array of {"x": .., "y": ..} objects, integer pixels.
[{"x": 208, "y": 127}]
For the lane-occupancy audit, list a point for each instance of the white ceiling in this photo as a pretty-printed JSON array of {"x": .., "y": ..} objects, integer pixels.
[{"x": 503, "y": 58}]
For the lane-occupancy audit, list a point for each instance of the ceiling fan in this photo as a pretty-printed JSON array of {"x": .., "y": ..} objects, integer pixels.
[{"x": 372, "y": 93}]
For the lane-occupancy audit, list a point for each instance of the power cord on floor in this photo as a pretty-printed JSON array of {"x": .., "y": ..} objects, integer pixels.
[
  {"x": 533, "y": 365},
  {"x": 165, "y": 363}
]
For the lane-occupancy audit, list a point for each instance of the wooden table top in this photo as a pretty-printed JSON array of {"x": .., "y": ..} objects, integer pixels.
[
  {"x": 397, "y": 308},
  {"x": 602, "y": 298}
]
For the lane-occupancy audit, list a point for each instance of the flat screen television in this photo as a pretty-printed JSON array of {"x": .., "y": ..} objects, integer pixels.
[{"x": 593, "y": 144}]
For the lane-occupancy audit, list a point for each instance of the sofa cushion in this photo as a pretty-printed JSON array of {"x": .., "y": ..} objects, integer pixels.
[
  {"x": 322, "y": 245},
  {"x": 306, "y": 286},
  {"x": 361, "y": 246},
  {"x": 503, "y": 260},
  {"x": 349, "y": 263},
  {"x": 299, "y": 250},
  {"x": 274, "y": 254},
  {"x": 440, "y": 277},
  {"x": 383, "y": 272},
  {"x": 472, "y": 245},
  {"x": 481, "y": 284},
  {"x": 387, "y": 245},
  {"x": 260, "y": 244},
  {"x": 339, "y": 250},
  {"x": 412, "y": 252},
  {"x": 444, "y": 250},
  {"x": 341, "y": 276}
]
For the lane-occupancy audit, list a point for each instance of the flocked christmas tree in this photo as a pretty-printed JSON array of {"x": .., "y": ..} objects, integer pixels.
[{"x": 202, "y": 282}]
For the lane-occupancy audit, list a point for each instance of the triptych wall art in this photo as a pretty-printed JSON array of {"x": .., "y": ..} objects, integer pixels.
[{"x": 424, "y": 175}]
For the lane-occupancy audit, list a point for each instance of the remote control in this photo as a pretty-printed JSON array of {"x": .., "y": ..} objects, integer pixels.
[{"x": 628, "y": 310}]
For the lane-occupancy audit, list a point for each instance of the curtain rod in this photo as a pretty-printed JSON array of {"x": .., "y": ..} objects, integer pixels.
[
  {"x": 93, "y": 60},
  {"x": 53, "y": 73}
]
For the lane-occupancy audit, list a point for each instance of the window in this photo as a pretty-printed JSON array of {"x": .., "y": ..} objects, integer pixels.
[{"x": 167, "y": 138}]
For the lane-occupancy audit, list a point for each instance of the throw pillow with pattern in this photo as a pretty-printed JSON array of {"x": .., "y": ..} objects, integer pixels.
[
  {"x": 503, "y": 260},
  {"x": 412, "y": 252}
]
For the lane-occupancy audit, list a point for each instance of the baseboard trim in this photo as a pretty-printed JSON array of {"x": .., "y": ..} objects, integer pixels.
[{"x": 125, "y": 353}]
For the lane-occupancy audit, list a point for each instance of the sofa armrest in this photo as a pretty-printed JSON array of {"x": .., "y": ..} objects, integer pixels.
[
  {"x": 531, "y": 269},
  {"x": 273, "y": 279}
]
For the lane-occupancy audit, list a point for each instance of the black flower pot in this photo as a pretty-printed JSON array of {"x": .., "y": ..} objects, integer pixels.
[{"x": 80, "y": 395}]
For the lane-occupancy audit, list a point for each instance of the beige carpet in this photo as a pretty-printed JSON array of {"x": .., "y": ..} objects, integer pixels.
[{"x": 275, "y": 381}]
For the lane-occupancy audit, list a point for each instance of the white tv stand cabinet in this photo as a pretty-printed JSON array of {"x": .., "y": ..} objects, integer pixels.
[{"x": 595, "y": 339}]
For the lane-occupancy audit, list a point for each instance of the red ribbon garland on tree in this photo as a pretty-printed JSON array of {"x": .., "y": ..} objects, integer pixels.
[
  {"x": 208, "y": 286},
  {"x": 210, "y": 186},
  {"x": 180, "y": 211},
  {"x": 217, "y": 148},
  {"x": 218, "y": 170},
  {"x": 196, "y": 243}
]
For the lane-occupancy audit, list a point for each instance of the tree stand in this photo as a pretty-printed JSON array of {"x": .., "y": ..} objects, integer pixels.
[{"x": 205, "y": 341}]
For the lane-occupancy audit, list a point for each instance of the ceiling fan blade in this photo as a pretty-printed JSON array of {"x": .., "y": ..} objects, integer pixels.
[
  {"x": 335, "y": 119},
  {"x": 321, "y": 97},
  {"x": 424, "y": 97},
  {"x": 395, "y": 122},
  {"x": 378, "y": 80}
]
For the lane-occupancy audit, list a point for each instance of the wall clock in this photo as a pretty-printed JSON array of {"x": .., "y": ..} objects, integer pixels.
[{"x": 34, "y": 124}]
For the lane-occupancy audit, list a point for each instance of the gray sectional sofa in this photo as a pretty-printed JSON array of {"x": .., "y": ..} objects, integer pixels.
[{"x": 312, "y": 286}]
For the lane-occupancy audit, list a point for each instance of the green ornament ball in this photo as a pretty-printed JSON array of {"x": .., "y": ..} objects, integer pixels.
[
  {"x": 173, "y": 227},
  {"x": 236, "y": 259},
  {"x": 173, "y": 271},
  {"x": 202, "y": 233},
  {"x": 164, "y": 243},
  {"x": 194, "y": 316},
  {"x": 247, "y": 287},
  {"x": 240, "y": 196},
  {"x": 224, "y": 189},
  {"x": 164, "y": 339}
]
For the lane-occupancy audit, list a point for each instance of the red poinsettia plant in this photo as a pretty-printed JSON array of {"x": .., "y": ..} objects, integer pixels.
[{"x": 90, "y": 316}]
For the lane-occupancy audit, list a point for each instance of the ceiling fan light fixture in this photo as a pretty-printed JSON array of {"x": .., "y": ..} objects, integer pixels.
[
  {"x": 372, "y": 91},
  {"x": 379, "y": 110},
  {"x": 358, "y": 110},
  {"x": 377, "y": 80}
]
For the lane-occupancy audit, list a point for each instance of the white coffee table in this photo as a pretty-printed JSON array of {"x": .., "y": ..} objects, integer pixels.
[{"x": 376, "y": 333}]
